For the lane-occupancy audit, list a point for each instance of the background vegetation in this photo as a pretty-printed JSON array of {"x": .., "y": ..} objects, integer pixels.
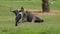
[{"x": 51, "y": 25}]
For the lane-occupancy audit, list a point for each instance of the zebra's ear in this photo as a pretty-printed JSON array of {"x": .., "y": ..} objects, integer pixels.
[{"x": 11, "y": 9}]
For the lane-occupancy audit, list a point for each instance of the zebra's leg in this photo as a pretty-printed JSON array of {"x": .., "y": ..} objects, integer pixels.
[
  {"x": 16, "y": 22},
  {"x": 17, "y": 19}
]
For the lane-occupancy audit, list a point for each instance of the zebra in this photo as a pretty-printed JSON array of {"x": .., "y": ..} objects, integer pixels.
[
  {"x": 19, "y": 14},
  {"x": 26, "y": 16}
]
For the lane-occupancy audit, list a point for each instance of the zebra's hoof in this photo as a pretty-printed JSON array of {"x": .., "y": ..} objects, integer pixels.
[{"x": 16, "y": 25}]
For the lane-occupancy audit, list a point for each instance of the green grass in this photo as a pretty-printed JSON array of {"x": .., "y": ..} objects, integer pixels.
[
  {"x": 25, "y": 4},
  {"x": 29, "y": 4},
  {"x": 51, "y": 24}
]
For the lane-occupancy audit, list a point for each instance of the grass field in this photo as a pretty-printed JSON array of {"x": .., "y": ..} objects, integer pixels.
[{"x": 51, "y": 24}]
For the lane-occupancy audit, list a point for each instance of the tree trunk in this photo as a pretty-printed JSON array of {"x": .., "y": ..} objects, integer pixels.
[{"x": 45, "y": 6}]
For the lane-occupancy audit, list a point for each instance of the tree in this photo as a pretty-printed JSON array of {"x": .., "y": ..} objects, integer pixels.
[{"x": 45, "y": 6}]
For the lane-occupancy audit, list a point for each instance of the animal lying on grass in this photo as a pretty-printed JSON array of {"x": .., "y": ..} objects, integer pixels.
[
  {"x": 37, "y": 19},
  {"x": 26, "y": 16}
]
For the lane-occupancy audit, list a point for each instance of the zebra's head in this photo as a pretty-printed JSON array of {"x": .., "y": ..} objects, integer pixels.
[{"x": 15, "y": 12}]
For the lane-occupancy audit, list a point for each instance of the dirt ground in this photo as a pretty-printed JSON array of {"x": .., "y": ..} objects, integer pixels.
[{"x": 52, "y": 12}]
